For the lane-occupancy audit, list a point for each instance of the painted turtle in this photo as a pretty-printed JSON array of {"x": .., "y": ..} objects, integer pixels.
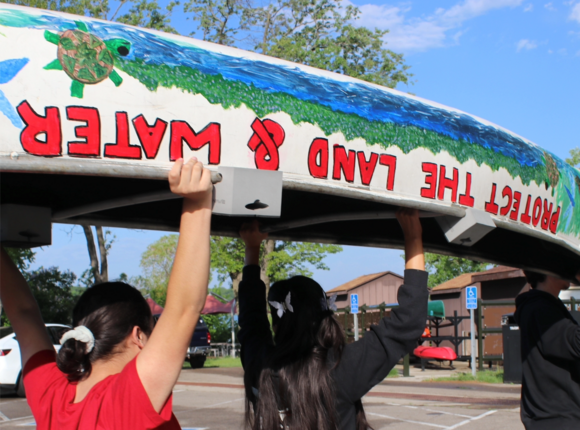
[{"x": 86, "y": 58}]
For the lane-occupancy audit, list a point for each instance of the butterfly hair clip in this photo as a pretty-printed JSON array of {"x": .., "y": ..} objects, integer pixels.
[{"x": 282, "y": 307}]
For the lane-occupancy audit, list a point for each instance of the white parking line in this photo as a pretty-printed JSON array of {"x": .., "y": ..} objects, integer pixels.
[
  {"x": 408, "y": 421},
  {"x": 462, "y": 423},
  {"x": 472, "y": 419},
  {"x": 218, "y": 404},
  {"x": 4, "y": 417},
  {"x": 431, "y": 410}
]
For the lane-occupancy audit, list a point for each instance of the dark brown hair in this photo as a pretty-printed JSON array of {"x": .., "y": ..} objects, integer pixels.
[
  {"x": 110, "y": 311},
  {"x": 534, "y": 278},
  {"x": 297, "y": 374}
]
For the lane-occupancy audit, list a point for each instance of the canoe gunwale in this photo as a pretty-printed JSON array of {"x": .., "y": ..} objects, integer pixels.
[{"x": 23, "y": 163}]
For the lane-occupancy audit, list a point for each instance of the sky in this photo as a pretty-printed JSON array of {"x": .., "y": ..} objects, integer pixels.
[{"x": 512, "y": 62}]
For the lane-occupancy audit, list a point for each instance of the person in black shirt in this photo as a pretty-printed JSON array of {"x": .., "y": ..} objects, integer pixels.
[
  {"x": 306, "y": 377},
  {"x": 550, "y": 347}
]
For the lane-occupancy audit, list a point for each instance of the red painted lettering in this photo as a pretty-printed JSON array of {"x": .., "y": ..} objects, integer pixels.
[
  {"x": 367, "y": 168},
  {"x": 430, "y": 179},
  {"x": 526, "y": 218},
  {"x": 446, "y": 183},
  {"x": 516, "y": 205},
  {"x": 49, "y": 125},
  {"x": 267, "y": 138},
  {"x": 507, "y": 192},
  {"x": 537, "y": 212},
  {"x": 343, "y": 162},
  {"x": 547, "y": 214},
  {"x": 149, "y": 136},
  {"x": 318, "y": 158},
  {"x": 554, "y": 220},
  {"x": 122, "y": 148},
  {"x": 182, "y": 131},
  {"x": 467, "y": 199},
  {"x": 391, "y": 162},
  {"x": 491, "y": 206},
  {"x": 90, "y": 132}
]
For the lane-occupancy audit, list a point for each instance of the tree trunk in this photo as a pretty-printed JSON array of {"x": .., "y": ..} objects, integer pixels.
[
  {"x": 92, "y": 252},
  {"x": 236, "y": 279},
  {"x": 103, "y": 251}
]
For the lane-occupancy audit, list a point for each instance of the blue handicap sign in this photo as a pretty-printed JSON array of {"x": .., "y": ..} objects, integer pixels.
[
  {"x": 354, "y": 303},
  {"x": 471, "y": 298}
]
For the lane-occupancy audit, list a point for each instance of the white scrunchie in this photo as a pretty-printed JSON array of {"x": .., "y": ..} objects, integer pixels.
[{"x": 82, "y": 334}]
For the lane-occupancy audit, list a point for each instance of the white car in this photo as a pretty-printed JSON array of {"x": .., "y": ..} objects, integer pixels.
[{"x": 10, "y": 364}]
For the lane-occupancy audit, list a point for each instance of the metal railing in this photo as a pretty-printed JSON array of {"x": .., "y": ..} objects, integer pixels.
[
  {"x": 482, "y": 331},
  {"x": 362, "y": 311}
]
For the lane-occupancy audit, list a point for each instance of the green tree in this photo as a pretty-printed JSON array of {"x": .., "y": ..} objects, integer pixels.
[
  {"x": 318, "y": 33},
  {"x": 220, "y": 327},
  {"x": 142, "y": 13},
  {"x": 22, "y": 257},
  {"x": 278, "y": 259},
  {"x": 156, "y": 262},
  {"x": 442, "y": 268},
  {"x": 574, "y": 159},
  {"x": 52, "y": 290}
]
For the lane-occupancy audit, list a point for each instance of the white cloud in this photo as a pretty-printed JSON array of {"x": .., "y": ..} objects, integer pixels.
[
  {"x": 526, "y": 44},
  {"x": 550, "y": 6},
  {"x": 575, "y": 13},
  {"x": 422, "y": 33},
  {"x": 529, "y": 7}
]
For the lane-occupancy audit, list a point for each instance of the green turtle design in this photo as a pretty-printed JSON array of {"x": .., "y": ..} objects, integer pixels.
[{"x": 86, "y": 58}]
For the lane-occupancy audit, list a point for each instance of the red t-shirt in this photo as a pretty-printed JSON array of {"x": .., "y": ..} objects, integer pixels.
[{"x": 118, "y": 402}]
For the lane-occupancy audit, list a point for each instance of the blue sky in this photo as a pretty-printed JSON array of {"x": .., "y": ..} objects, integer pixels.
[{"x": 515, "y": 63}]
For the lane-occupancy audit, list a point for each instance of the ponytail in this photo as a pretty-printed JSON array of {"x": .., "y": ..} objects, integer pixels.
[{"x": 109, "y": 312}]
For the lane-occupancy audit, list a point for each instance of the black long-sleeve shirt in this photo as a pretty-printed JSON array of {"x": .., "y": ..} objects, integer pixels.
[
  {"x": 363, "y": 364},
  {"x": 550, "y": 346}
]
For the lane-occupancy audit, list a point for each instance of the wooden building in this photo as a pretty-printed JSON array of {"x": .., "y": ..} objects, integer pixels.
[
  {"x": 498, "y": 284},
  {"x": 371, "y": 289}
]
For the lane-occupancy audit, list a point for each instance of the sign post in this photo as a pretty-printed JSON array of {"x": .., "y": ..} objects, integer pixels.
[
  {"x": 471, "y": 304},
  {"x": 354, "y": 312}
]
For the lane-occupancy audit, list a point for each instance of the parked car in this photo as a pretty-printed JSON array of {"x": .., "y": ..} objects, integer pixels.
[
  {"x": 10, "y": 363},
  {"x": 199, "y": 346}
]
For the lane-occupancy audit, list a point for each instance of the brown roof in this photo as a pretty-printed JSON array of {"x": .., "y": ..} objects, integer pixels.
[
  {"x": 361, "y": 280},
  {"x": 461, "y": 281},
  {"x": 467, "y": 279}
]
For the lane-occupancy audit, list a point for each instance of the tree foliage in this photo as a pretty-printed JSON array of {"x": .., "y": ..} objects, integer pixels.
[
  {"x": 52, "y": 290},
  {"x": 442, "y": 268},
  {"x": 156, "y": 262},
  {"x": 22, "y": 257},
  {"x": 278, "y": 259},
  {"x": 318, "y": 33},
  {"x": 574, "y": 159},
  {"x": 142, "y": 13}
]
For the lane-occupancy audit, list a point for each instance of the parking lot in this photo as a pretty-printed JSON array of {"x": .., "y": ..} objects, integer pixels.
[{"x": 213, "y": 399}]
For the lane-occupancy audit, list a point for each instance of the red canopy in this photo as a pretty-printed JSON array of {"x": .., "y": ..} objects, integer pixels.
[
  {"x": 155, "y": 308},
  {"x": 214, "y": 306}
]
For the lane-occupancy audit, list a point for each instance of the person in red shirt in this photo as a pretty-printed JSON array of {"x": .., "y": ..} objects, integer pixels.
[{"x": 113, "y": 370}]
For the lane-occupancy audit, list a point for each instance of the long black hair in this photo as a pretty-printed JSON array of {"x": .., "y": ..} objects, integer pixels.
[
  {"x": 110, "y": 311},
  {"x": 296, "y": 378}
]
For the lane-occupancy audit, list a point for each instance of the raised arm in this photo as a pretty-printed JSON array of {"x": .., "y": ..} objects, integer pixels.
[
  {"x": 367, "y": 362},
  {"x": 255, "y": 333},
  {"x": 161, "y": 360},
  {"x": 22, "y": 310}
]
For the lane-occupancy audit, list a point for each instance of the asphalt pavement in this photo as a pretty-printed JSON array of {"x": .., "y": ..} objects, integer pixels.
[{"x": 213, "y": 399}]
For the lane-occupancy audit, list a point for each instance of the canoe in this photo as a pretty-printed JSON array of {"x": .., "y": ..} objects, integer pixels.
[
  {"x": 435, "y": 353},
  {"x": 92, "y": 114}
]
